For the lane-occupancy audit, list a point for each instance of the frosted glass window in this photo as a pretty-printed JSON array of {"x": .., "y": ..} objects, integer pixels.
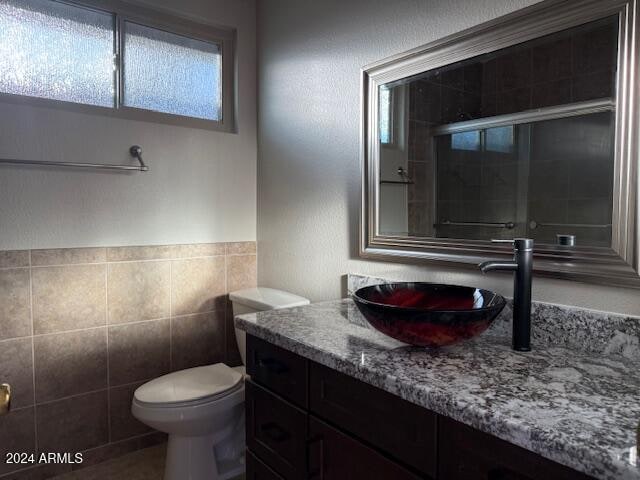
[
  {"x": 385, "y": 115},
  {"x": 499, "y": 139},
  {"x": 169, "y": 73},
  {"x": 466, "y": 140},
  {"x": 57, "y": 51}
]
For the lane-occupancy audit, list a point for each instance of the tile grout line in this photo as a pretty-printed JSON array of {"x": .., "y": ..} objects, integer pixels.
[
  {"x": 75, "y": 395},
  {"x": 11, "y": 339},
  {"x": 140, "y": 260},
  {"x": 20, "y": 471},
  {"x": 19, "y": 409},
  {"x": 195, "y": 314},
  {"x": 171, "y": 316},
  {"x": 33, "y": 356},
  {"x": 226, "y": 333},
  {"x": 106, "y": 332},
  {"x": 19, "y": 267},
  {"x": 115, "y": 325},
  {"x": 128, "y": 384},
  {"x": 128, "y": 439}
]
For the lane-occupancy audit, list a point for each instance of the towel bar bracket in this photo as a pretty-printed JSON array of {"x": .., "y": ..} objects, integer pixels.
[{"x": 136, "y": 152}]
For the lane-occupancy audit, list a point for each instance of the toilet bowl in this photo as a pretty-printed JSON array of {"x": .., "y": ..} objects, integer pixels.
[{"x": 202, "y": 408}]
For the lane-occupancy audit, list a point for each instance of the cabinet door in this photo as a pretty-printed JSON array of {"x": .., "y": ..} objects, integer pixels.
[
  {"x": 276, "y": 432},
  {"x": 468, "y": 454},
  {"x": 336, "y": 456},
  {"x": 277, "y": 369},
  {"x": 407, "y": 433},
  {"x": 256, "y": 470}
]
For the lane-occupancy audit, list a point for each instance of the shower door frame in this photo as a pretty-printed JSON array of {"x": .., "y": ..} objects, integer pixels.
[{"x": 528, "y": 119}]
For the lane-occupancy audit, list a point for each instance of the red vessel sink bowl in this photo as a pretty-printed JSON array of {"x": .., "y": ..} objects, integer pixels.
[{"x": 428, "y": 314}]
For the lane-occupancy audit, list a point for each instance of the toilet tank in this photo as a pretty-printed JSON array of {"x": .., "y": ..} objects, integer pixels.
[{"x": 259, "y": 299}]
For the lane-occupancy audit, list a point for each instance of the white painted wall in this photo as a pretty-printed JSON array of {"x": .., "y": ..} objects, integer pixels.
[
  {"x": 201, "y": 186},
  {"x": 309, "y": 56}
]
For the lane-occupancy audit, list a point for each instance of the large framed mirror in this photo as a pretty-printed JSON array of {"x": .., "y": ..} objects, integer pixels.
[{"x": 522, "y": 127}]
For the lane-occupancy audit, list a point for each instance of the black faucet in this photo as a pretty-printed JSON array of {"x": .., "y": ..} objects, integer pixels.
[{"x": 522, "y": 266}]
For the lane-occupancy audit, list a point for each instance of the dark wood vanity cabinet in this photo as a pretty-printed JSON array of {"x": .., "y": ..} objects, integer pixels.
[
  {"x": 257, "y": 470},
  {"x": 307, "y": 421},
  {"x": 334, "y": 455},
  {"x": 364, "y": 412},
  {"x": 468, "y": 454},
  {"x": 281, "y": 371},
  {"x": 277, "y": 432}
]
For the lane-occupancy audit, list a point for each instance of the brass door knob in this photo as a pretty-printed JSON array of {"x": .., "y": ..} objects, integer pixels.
[{"x": 5, "y": 398}]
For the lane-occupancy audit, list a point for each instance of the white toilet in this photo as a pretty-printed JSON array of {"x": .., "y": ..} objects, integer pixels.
[{"x": 202, "y": 408}]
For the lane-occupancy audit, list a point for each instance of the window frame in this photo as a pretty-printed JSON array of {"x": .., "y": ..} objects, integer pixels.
[{"x": 123, "y": 12}]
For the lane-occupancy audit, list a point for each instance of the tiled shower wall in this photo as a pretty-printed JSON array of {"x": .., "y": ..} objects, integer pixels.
[
  {"x": 571, "y": 66},
  {"x": 82, "y": 328}
]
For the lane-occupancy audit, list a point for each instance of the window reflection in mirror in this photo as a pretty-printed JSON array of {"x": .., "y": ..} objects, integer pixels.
[{"x": 518, "y": 142}]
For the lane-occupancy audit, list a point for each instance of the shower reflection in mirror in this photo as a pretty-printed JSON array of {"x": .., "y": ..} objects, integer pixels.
[{"x": 514, "y": 143}]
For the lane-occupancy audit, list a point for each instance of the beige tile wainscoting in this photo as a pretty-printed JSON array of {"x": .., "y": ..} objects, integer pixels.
[{"x": 82, "y": 328}]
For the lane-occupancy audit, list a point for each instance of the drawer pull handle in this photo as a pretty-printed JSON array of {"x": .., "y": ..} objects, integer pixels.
[
  {"x": 272, "y": 365},
  {"x": 274, "y": 432}
]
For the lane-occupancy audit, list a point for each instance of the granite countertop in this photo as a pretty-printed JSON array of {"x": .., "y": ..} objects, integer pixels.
[{"x": 578, "y": 408}]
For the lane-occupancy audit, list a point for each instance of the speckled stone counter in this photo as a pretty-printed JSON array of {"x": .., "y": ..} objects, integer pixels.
[{"x": 574, "y": 406}]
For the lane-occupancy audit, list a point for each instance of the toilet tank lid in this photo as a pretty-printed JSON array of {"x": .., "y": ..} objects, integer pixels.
[{"x": 263, "y": 298}]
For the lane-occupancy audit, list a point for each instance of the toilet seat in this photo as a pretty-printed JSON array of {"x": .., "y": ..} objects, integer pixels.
[
  {"x": 202, "y": 410},
  {"x": 189, "y": 403},
  {"x": 190, "y": 387}
]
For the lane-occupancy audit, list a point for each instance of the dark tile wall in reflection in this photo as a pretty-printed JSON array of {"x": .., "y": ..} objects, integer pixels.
[
  {"x": 560, "y": 182},
  {"x": 574, "y": 65},
  {"x": 571, "y": 179},
  {"x": 421, "y": 170},
  {"x": 479, "y": 186}
]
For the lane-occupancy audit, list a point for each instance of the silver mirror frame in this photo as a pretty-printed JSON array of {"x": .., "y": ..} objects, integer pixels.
[{"x": 618, "y": 265}]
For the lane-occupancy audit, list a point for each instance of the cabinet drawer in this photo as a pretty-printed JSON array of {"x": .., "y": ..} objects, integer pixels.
[
  {"x": 277, "y": 369},
  {"x": 336, "y": 456},
  {"x": 403, "y": 430},
  {"x": 468, "y": 454},
  {"x": 276, "y": 432},
  {"x": 256, "y": 470}
]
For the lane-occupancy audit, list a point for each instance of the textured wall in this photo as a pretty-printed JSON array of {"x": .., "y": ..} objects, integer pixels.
[
  {"x": 309, "y": 58},
  {"x": 201, "y": 186}
]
